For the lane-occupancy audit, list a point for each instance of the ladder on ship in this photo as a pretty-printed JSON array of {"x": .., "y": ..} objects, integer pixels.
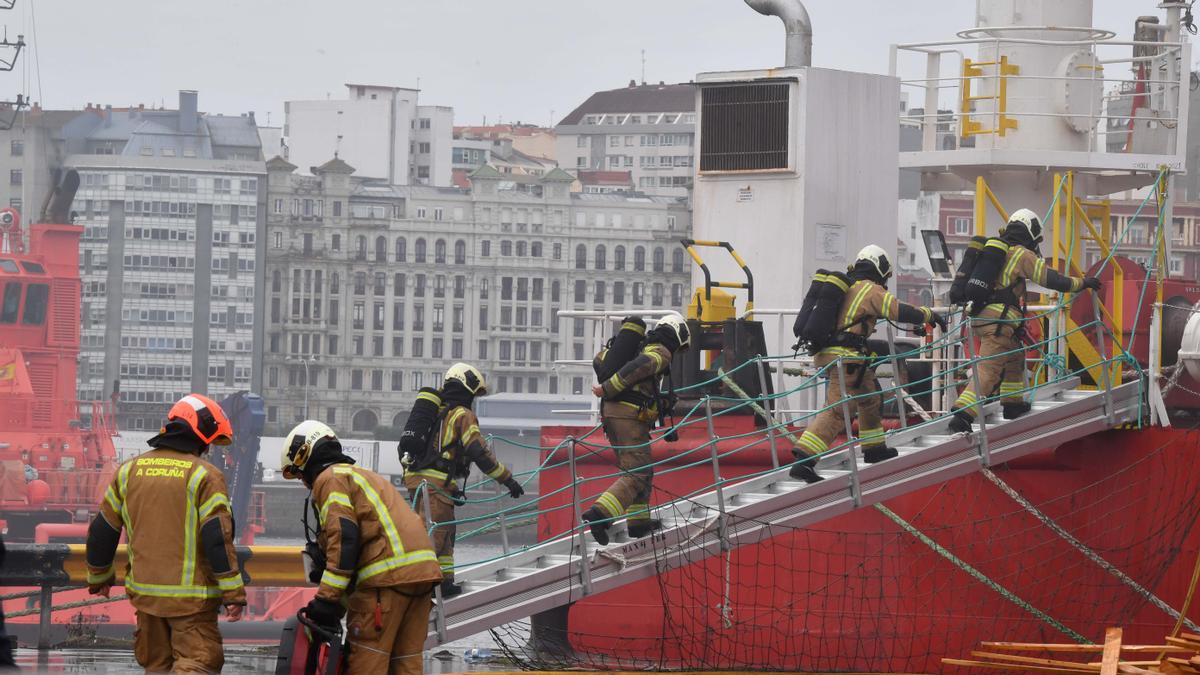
[{"x": 560, "y": 571}]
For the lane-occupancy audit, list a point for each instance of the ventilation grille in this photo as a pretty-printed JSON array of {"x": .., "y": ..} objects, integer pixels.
[
  {"x": 744, "y": 127},
  {"x": 41, "y": 379},
  {"x": 64, "y": 314}
]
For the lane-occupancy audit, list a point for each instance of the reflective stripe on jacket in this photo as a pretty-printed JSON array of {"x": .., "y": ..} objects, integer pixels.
[
  {"x": 368, "y": 533},
  {"x": 170, "y": 503}
]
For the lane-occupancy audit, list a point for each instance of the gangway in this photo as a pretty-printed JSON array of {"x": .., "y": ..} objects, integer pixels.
[{"x": 558, "y": 572}]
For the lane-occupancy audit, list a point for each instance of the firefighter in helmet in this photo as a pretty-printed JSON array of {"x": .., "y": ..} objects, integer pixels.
[
  {"x": 866, "y": 301},
  {"x": 629, "y": 408},
  {"x": 182, "y": 565},
  {"x": 446, "y": 463},
  {"x": 377, "y": 564},
  {"x": 999, "y": 324}
]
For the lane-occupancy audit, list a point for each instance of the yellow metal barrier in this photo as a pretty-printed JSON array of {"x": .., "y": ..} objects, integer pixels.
[{"x": 972, "y": 69}]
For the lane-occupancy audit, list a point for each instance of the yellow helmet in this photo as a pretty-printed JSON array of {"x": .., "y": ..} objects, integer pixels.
[
  {"x": 298, "y": 446},
  {"x": 469, "y": 377}
]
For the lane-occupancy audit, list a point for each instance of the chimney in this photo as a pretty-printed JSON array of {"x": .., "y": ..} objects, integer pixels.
[
  {"x": 632, "y": 84},
  {"x": 108, "y": 115},
  {"x": 188, "y": 116}
]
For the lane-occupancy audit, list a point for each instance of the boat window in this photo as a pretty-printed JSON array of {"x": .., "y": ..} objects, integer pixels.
[
  {"x": 8, "y": 266},
  {"x": 36, "y": 299},
  {"x": 12, "y": 300},
  {"x": 32, "y": 267}
]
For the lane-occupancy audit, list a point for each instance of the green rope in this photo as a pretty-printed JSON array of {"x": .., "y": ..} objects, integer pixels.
[{"x": 981, "y": 577}]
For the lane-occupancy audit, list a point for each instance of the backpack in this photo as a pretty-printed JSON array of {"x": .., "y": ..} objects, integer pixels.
[
  {"x": 958, "y": 288},
  {"x": 621, "y": 348},
  {"x": 981, "y": 286},
  {"x": 419, "y": 429},
  {"x": 817, "y": 325}
]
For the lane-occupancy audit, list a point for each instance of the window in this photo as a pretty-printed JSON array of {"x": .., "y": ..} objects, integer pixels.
[
  {"x": 337, "y": 209},
  {"x": 11, "y": 302},
  {"x": 278, "y": 239},
  {"x": 419, "y": 253},
  {"x": 439, "y": 248},
  {"x": 360, "y": 248},
  {"x": 557, "y": 252},
  {"x": 485, "y": 248},
  {"x": 17, "y": 148},
  {"x": 581, "y": 257},
  {"x": 335, "y": 242},
  {"x": 398, "y": 283},
  {"x": 419, "y": 286},
  {"x": 377, "y": 380},
  {"x": 659, "y": 259},
  {"x": 506, "y": 248},
  {"x": 598, "y": 296},
  {"x": 639, "y": 259},
  {"x": 36, "y": 297},
  {"x": 618, "y": 293},
  {"x": 437, "y": 213},
  {"x": 535, "y": 249},
  {"x": 397, "y": 380},
  {"x": 1176, "y": 264},
  {"x": 380, "y": 249},
  {"x": 601, "y": 257},
  {"x": 962, "y": 225},
  {"x": 15, "y": 177},
  {"x": 460, "y": 252},
  {"x": 356, "y": 378},
  {"x": 580, "y": 291}
]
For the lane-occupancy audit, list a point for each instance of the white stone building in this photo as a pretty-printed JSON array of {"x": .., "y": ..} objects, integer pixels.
[
  {"x": 382, "y": 131},
  {"x": 373, "y": 290},
  {"x": 649, "y": 130}
]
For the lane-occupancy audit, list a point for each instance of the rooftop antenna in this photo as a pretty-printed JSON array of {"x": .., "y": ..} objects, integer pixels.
[{"x": 643, "y": 67}]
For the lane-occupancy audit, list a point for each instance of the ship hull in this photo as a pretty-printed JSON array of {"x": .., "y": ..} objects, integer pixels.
[{"x": 863, "y": 592}]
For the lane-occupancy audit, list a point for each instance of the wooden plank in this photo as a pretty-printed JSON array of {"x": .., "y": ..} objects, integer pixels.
[
  {"x": 1112, "y": 651},
  {"x": 1013, "y": 658},
  {"x": 1186, "y": 644},
  {"x": 1064, "y": 648},
  {"x": 1008, "y": 666}
]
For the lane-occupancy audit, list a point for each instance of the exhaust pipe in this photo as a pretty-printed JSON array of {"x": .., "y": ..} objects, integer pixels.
[{"x": 795, "y": 22}]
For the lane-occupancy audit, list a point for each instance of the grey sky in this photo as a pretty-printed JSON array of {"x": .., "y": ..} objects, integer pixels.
[{"x": 515, "y": 59}]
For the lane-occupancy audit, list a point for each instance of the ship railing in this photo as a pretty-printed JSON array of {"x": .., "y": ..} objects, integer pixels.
[
  {"x": 965, "y": 97},
  {"x": 953, "y": 353}
]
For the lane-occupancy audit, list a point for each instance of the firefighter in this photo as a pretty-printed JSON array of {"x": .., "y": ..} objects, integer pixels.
[
  {"x": 866, "y": 301},
  {"x": 379, "y": 566},
  {"x": 629, "y": 408},
  {"x": 182, "y": 564},
  {"x": 446, "y": 464},
  {"x": 999, "y": 325}
]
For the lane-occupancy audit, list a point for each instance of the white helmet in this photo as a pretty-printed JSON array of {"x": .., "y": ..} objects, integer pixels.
[
  {"x": 877, "y": 259},
  {"x": 1030, "y": 221},
  {"x": 675, "y": 323},
  {"x": 469, "y": 377},
  {"x": 298, "y": 446}
]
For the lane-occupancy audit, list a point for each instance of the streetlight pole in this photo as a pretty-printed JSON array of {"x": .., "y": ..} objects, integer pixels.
[{"x": 304, "y": 360}]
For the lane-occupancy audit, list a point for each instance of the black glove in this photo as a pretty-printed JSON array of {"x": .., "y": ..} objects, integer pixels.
[
  {"x": 514, "y": 488},
  {"x": 458, "y": 498},
  {"x": 938, "y": 320},
  {"x": 1092, "y": 283},
  {"x": 324, "y": 613}
]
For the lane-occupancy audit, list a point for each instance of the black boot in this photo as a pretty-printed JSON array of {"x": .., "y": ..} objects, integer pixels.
[
  {"x": 877, "y": 453},
  {"x": 1012, "y": 411},
  {"x": 803, "y": 471},
  {"x": 450, "y": 589},
  {"x": 961, "y": 423},
  {"x": 642, "y": 527},
  {"x": 8, "y": 646},
  {"x": 598, "y": 523}
]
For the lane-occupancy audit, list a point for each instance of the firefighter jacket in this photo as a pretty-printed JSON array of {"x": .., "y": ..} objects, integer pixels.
[
  {"x": 460, "y": 443},
  {"x": 1020, "y": 265},
  {"x": 369, "y": 534},
  {"x": 633, "y": 391},
  {"x": 175, "y": 512},
  {"x": 866, "y": 302}
]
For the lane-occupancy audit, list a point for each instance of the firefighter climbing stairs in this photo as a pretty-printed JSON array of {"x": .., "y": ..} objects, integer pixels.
[{"x": 563, "y": 570}]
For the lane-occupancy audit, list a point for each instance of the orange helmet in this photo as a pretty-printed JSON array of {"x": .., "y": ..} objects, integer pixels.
[{"x": 204, "y": 417}]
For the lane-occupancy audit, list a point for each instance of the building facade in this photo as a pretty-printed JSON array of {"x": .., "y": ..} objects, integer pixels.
[
  {"x": 373, "y": 290},
  {"x": 648, "y": 130},
  {"x": 171, "y": 205},
  {"x": 382, "y": 131}
]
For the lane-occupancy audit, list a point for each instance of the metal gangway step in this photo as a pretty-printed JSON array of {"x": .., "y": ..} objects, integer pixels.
[{"x": 563, "y": 570}]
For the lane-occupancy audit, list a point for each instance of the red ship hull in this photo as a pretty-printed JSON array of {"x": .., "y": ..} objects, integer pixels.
[{"x": 860, "y": 593}]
